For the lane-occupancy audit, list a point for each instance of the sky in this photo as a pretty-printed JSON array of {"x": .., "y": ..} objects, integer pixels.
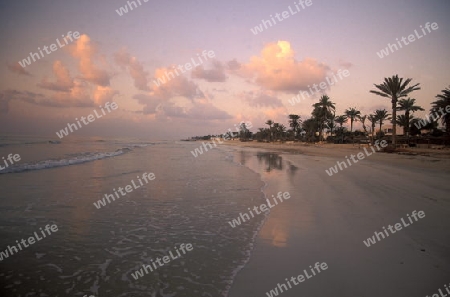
[{"x": 235, "y": 75}]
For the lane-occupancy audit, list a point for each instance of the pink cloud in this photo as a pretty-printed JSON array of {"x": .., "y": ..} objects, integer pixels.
[
  {"x": 104, "y": 94},
  {"x": 276, "y": 69},
  {"x": 215, "y": 74},
  {"x": 16, "y": 68},
  {"x": 85, "y": 51},
  {"x": 64, "y": 82},
  {"x": 200, "y": 110},
  {"x": 135, "y": 68},
  {"x": 261, "y": 99},
  {"x": 177, "y": 86}
]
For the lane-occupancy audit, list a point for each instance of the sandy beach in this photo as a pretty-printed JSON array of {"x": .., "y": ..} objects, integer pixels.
[
  {"x": 328, "y": 218},
  {"x": 221, "y": 148}
]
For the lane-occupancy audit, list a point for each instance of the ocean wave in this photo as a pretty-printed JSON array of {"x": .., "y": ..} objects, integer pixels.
[{"x": 78, "y": 159}]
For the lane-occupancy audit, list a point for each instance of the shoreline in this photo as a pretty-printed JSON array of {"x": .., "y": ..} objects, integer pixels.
[
  {"x": 327, "y": 149},
  {"x": 413, "y": 159},
  {"x": 328, "y": 218}
]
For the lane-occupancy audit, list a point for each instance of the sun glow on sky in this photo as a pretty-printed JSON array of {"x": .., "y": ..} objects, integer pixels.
[{"x": 251, "y": 77}]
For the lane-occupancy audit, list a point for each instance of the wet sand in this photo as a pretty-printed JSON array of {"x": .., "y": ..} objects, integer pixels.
[{"x": 328, "y": 217}]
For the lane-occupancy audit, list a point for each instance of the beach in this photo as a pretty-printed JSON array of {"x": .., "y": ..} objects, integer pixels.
[
  {"x": 327, "y": 219},
  {"x": 254, "y": 217},
  {"x": 225, "y": 149}
]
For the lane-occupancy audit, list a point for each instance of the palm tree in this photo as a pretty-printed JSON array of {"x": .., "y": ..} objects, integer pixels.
[
  {"x": 331, "y": 124},
  {"x": 353, "y": 115},
  {"x": 276, "y": 126},
  {"x": 442, "y": 105},
  {"x": 405, "y": 122},
  {"x": 341, "y": 120},
  {"x": 244, "y": 133},
  {"x": 322, "y": 111},
  {"x": 310, "y": 126},
  {"x": 261, "y": 134},
  {"x": 408, "y": 106},
  {"x": 270, "y": 123},
  {"x": 381, "y": 115},
  {"x": 294, "y": 123},
  {"x": 373, "y": 121},
  {"x": 281, "y": 130},
  {"x": 363, "y": 119},
  {"x": 417, "y": 125},
  {"x": 394, "y": 88}
]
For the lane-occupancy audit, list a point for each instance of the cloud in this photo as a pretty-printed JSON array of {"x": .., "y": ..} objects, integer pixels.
[
  {"x": 8, "y": 95},
  {"x": 88, "y": 90},
  {"x": 33, "y": 98},
  {"x": 163, "y": 101},
  {"x": 150, "y": 103},
  {"x": 345, "y": 64},
  {"x": 64, "y": 82},
  {"x": 104, "y": 94},
  {"x": 276, "y": 114},
  {"x": 85, "y": 51},
  {"x": 233, "y": 65},
  {"x": 177, "y": 86},
  {"x": 4, "y": 103},
  {"x": 277, "y": 69},
  {"x": 77, "y": 97},
  {"x": 91, "y": 90},
  {"x": 216, "y": 74},
  {"x": 135, "y": 68},
  {"x": 201, "y": 110},
  {"x": 261, "y": 99},
  {"x": 16, "y": 68},
  {"x": 220, "y": 90}
]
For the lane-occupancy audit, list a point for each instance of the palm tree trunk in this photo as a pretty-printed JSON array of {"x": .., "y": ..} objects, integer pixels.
[
  {"x": 394, "y": 122},
  {"x": 320, "y": 131},
  {"x": 407, "y": 123},
  {"x": 380, "y": 128},
  {"x": 351, "y": 129},
  {"x": 270, "y": 134},
  {"x": 373, "y": 134}
]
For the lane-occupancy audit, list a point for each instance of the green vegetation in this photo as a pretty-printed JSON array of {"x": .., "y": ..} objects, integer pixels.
[{"x": 324, "y": 125}]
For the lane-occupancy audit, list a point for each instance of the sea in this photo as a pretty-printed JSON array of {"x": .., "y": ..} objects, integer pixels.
[{"x": 96, "y": 251}]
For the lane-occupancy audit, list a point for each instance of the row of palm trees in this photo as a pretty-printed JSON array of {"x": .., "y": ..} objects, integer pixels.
[
  {"x": 395, "y": 88},
  {"x": 323, "y": 116}
]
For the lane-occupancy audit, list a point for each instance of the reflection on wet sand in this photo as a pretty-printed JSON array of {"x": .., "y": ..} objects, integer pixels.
[
  {"x": 271, "y": 160},
  {"x": 280, "y": 175}
]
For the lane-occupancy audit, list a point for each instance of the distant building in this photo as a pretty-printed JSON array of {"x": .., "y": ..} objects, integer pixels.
[{"x": 388, "y": 131}]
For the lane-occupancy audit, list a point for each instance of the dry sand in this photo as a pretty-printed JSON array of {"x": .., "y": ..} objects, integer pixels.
[{"x": 328, "y": 217}]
